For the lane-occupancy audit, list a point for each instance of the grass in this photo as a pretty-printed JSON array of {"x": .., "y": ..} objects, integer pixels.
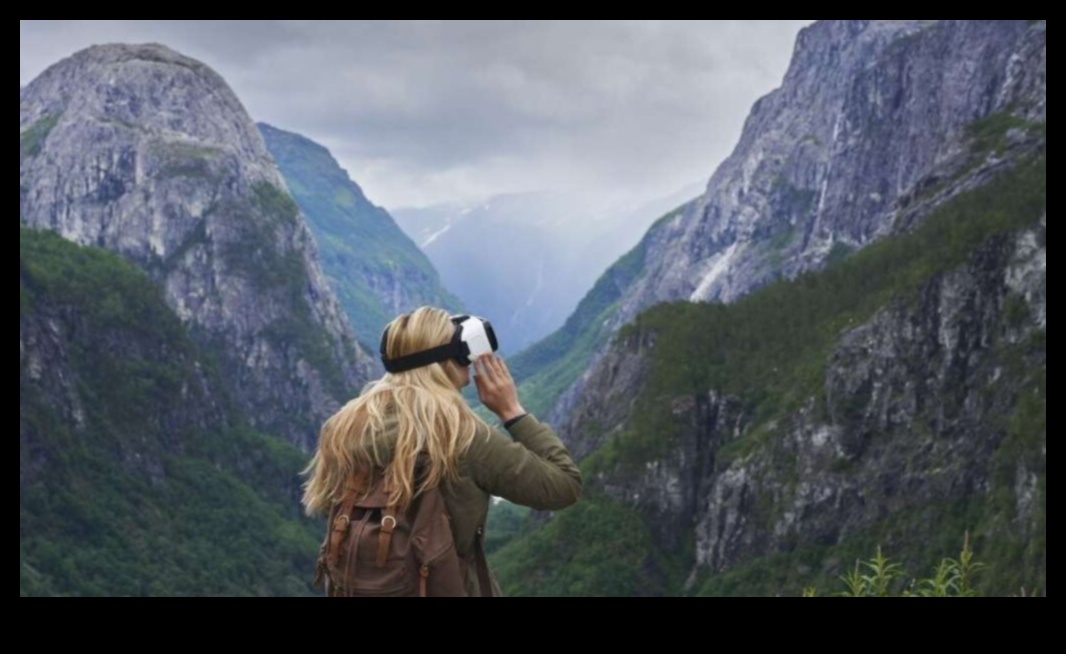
[
  {"x": 990, "y": 135},
  {"x": 31, "y": 141},
  {"x": 838, "y": 253}
]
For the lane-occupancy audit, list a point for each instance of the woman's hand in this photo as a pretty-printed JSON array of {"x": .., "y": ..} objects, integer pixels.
[{"x": 497, "y": 388}]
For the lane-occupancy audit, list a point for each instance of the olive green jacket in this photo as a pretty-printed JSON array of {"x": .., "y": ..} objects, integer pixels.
[{"x": 530, "y": 467}]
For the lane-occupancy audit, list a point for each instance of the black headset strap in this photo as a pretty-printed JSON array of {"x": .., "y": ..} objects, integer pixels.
[{"x": 440, "y": 354}]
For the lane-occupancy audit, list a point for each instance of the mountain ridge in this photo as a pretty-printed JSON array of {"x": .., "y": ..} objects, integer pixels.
[
  {"x": 147, "y": 153},
  {"x": 772, "y": 209},
  {"x": 376, "y": 270}
]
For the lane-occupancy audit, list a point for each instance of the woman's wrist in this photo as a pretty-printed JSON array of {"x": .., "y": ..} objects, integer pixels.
[{"x": 513, "y": 414}]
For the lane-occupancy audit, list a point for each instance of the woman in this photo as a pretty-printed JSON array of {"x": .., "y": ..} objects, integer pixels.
[{"x": 421, "y": 413}]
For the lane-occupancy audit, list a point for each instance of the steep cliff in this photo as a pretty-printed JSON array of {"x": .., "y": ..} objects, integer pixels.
[
  {"x": 876, "y": 124},
  {"x": 375, "y": 269},
  {"x": 149, "y": 154},
  {"x": 871, "y": 113},
  {"x": 897, "y": 399}
]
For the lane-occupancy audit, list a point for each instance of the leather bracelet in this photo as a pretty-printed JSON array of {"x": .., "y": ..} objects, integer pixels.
[{"x": 512, "y": 423}]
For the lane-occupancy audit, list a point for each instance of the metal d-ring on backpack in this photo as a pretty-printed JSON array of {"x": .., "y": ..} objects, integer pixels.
[{"x": 374, "y": 549}]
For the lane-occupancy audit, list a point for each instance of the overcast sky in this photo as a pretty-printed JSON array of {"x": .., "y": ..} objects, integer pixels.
[{"x": 423, "y": 112}]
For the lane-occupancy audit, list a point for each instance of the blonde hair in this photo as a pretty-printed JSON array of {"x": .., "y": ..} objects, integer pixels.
[{"x": 433, "y": 419}]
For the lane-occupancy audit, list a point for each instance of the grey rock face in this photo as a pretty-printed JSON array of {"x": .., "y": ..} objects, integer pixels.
[
  {"x": 914, "y": 411},
  {"x": 912, "y": 418},
  {"x": 867, "y": 112},
  {"x": 148, "y": 153}
]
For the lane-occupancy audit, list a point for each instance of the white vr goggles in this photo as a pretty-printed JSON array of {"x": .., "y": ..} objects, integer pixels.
[{"x": 474, "y": 337}]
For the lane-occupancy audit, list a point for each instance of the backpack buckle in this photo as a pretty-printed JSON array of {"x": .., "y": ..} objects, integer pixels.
[{"x": 342, "y": 523}]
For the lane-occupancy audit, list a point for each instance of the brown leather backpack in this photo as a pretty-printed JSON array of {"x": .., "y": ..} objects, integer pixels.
[{"x": 373, "y": 549}]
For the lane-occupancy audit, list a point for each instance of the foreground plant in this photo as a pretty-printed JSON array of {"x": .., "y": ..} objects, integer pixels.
[{"x": 880, "y": 577}]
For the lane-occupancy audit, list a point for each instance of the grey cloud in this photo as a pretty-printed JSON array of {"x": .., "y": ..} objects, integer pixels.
[{"x": 427, "y": 111}]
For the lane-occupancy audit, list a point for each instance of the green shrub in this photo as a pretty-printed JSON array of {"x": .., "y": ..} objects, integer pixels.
[{"x": 880, "y": 577}]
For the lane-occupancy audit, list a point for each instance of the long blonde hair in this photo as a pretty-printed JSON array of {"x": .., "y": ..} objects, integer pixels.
[{"x": 433, "y": 419}]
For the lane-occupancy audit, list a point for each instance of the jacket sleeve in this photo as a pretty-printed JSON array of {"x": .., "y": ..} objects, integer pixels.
[{"x": 534, "y": 469}]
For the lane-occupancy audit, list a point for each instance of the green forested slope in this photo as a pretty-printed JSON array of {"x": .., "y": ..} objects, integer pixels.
[
  {"x": 376, "y": 271},
  {"x": 136, "y": 475}
]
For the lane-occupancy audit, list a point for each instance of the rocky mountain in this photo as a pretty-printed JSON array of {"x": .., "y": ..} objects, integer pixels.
[
  {"x": 896, "y": 399},
  {"x": 871, "y": 115},
  {"x": 525, "y": 260},
  {"x": 871, "y": 129},
  {"x": 375, "y": 269},
  {"x": 149, "y": 154}
]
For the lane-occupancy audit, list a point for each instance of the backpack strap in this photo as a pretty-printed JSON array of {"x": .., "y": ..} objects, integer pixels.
[
  {"x": 353, "y": 553},
  {"x": 388, "y": 526},
  {"x": 343, "y": 522},
  {"x": 423, "y": 583},
  {"x": 388, "y": 517},
  {"x": 484, "y": 577}
]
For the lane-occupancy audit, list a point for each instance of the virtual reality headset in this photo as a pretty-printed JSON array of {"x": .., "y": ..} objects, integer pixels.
[{"x": 474, "y": 337}]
